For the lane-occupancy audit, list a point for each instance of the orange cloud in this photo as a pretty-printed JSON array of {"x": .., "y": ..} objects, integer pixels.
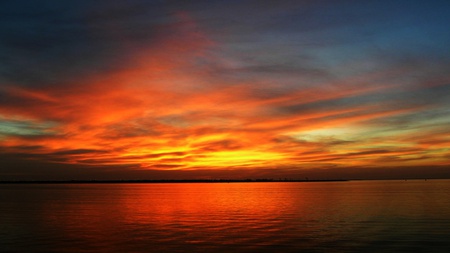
[{"x": 165, "y": 109}]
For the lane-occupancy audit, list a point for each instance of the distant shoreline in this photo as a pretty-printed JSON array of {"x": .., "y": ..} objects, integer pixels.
[{"x": 166, "y": 181}]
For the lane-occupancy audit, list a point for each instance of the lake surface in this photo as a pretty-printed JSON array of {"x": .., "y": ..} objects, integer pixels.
[{"x": 354, "y": 216}]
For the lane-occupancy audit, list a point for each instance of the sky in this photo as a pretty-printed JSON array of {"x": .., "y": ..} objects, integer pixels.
[{"x": 144, "y": 89}]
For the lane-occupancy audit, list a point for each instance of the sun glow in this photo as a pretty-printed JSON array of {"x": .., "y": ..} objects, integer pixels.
[{"x": 172, "y": 92}]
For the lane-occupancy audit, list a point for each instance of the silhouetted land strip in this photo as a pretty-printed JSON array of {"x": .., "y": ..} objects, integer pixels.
[{"x": 164, "y": 181}]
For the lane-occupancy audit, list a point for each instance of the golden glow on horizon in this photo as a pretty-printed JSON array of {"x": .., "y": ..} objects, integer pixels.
[{"x": 167, "y": 111}]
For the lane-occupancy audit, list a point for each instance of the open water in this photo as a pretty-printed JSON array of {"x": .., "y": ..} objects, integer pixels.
[{"x": 354, "y": 216}]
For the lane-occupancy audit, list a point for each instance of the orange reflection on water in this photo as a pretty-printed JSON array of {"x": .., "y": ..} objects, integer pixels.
[
  {"x": 221, "y": 201},
  {"x": 213, "y": 213},
  {"x": 224, "y": 217}
]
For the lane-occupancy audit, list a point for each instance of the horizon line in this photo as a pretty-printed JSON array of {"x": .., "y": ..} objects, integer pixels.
[{"x": 149, "y": 181}]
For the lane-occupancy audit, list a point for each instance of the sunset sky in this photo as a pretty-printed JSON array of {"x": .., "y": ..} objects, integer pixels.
[{"x": 144, "y": 89}]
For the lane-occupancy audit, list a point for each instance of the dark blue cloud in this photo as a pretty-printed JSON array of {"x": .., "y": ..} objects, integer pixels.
[{"x": 54, "y": 42}]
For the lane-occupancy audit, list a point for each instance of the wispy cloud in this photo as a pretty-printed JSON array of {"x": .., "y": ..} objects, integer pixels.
[{"x": 152, "y": 87}]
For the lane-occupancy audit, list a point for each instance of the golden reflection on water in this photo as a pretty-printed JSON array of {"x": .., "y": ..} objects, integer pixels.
[
  {"x": 224, "y": 217},
  {"x": 175, "y": 201},
  {"x": 211, "y": 214}
]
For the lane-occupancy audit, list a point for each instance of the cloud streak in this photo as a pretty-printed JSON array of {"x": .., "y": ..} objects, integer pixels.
[{"x": 139, "y": 87}]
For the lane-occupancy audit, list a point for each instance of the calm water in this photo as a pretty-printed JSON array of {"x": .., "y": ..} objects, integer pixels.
[{"x": 356, "y": 216}]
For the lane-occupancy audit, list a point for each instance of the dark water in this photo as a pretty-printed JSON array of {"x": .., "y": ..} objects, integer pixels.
[{"x": 355, "y": 216}]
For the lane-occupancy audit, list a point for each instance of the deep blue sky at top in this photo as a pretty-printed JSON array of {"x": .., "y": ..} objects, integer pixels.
[{"x": 45, "y": 41}]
